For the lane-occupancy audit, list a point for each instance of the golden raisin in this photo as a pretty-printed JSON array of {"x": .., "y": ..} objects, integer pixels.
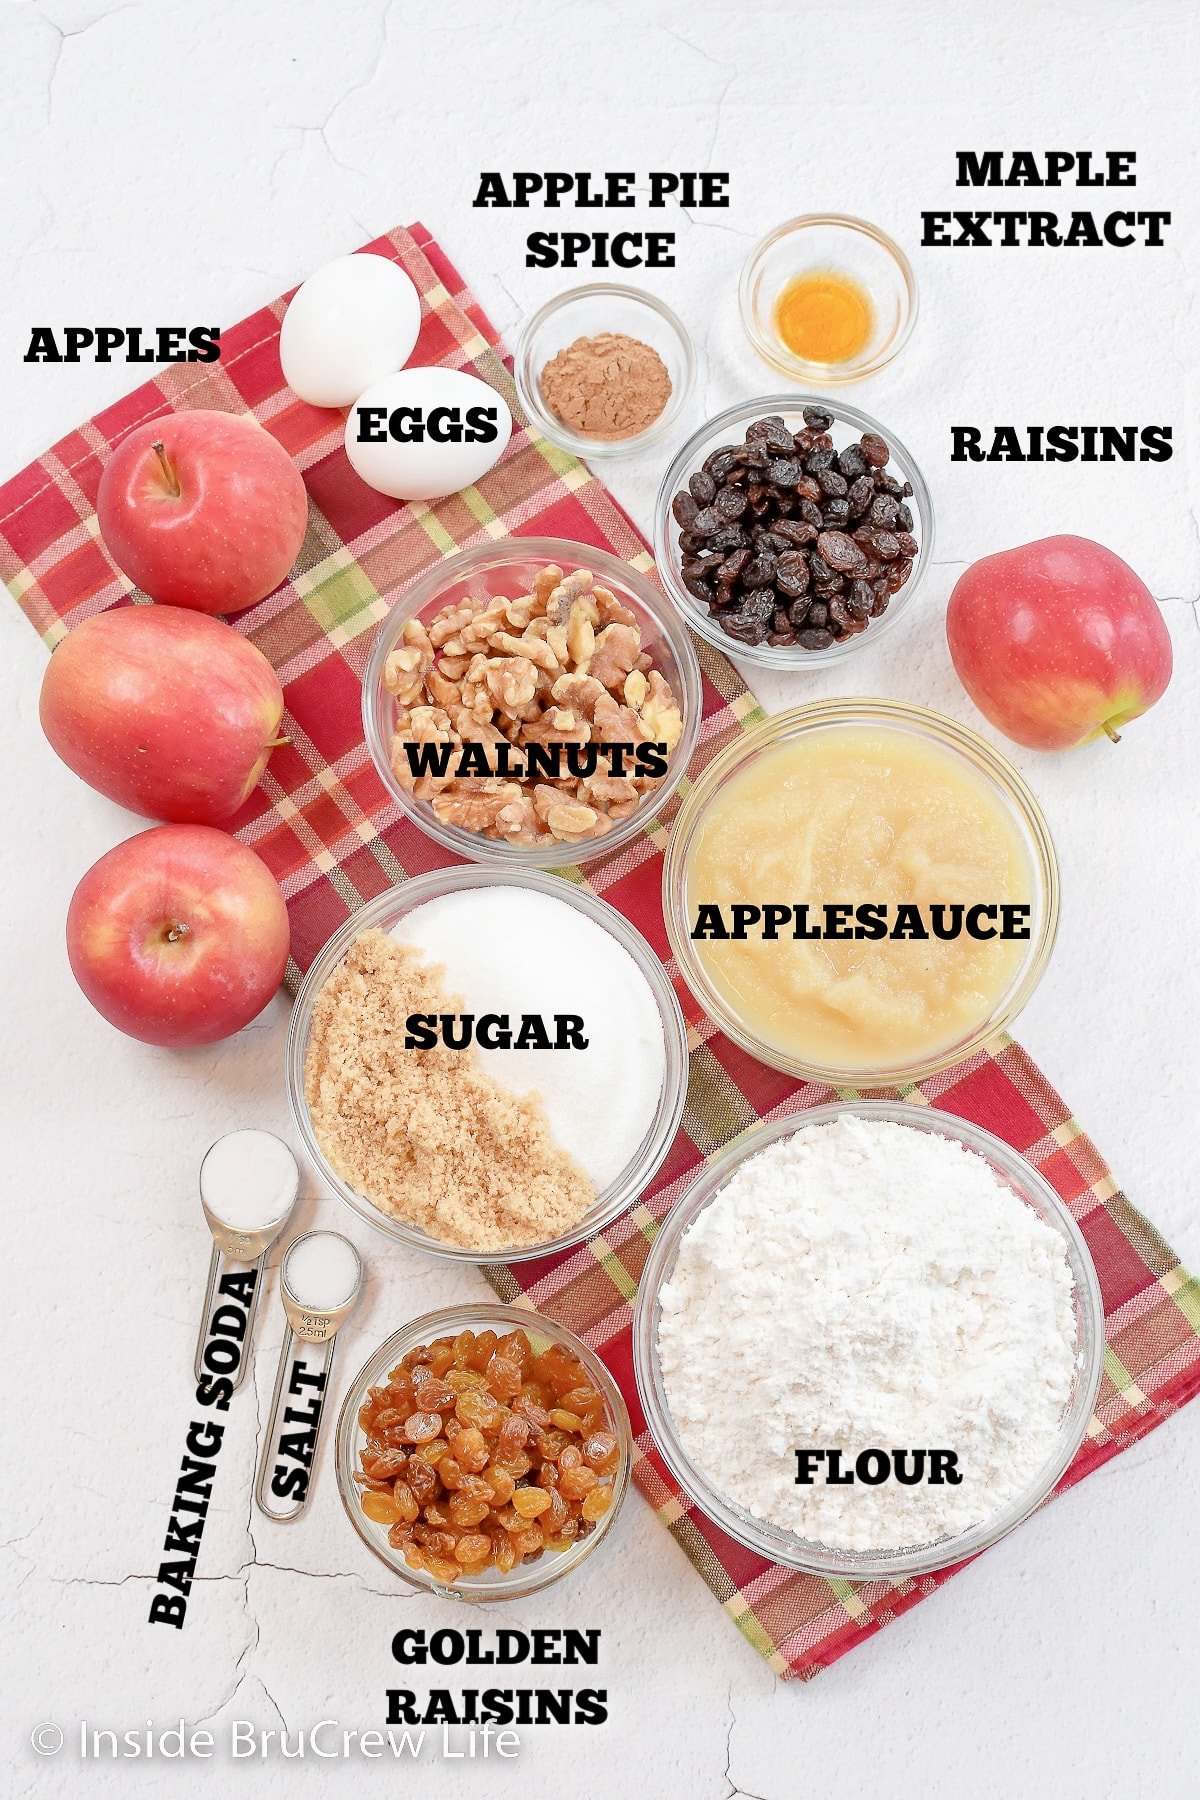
[
  {"x": 596, "y": 1504},
  {"x": 530, "y": 1502},
  {"x": 381, "y": 1507}
]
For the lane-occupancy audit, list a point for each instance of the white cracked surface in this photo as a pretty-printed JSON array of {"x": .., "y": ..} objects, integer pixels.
[{"x": 170, "y": 163}]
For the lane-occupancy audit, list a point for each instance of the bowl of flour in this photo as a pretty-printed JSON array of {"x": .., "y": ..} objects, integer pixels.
[{"x": 868, "y": 1339}]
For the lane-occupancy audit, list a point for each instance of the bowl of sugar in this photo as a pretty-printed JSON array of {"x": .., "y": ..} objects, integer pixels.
[{"x": 487, "y": 1064}]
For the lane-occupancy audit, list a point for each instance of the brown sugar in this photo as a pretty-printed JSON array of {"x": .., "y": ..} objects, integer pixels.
[
  {"x": 610, "y": 386},
  {"x": 426, "y": 1135}
]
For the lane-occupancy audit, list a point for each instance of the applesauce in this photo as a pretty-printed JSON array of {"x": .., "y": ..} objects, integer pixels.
[{"x": 858, "y": 895}]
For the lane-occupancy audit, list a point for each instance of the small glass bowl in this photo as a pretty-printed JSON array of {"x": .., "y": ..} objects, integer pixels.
[
  {"x": 773, "y": 1541},
  {"x": 526, "y": 1578},
  {"x": 587, "y": 312},
  {"x": 508, "y": 568},
  {"x": 966, "y": 746},
  {"x": 383, "y": 914},
  {"x": 834, "y": 243},
  {"x": 729, "y": 427}
]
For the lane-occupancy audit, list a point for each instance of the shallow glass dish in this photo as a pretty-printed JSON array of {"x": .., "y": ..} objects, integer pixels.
[
  {"x": 1017, "y": 800},
  {"x": 773, "y": 1541},
  {"x": 384, "y": 914},
  {"x": 729, "y": 427},
  {"x": 587, "y": 312},
  {"x": 829, "y": 243},
  {"x": 491, "y": 1584},
  {"x": 508, "y": 568}
]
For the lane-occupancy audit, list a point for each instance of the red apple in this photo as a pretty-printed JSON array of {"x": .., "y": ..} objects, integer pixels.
[
  {"x": 1057, "y": 642},
  {"x": 202, "y": 509},
  {"x": 178, "y": 936},
  {"x": 167, "y": 712}
]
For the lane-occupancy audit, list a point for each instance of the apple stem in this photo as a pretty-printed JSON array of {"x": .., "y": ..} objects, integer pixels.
[
  {"x": 173, "y": 487},
  {"x": 276, "y": 743},
  {"x": 1113, "y": 736},
  {"x": 175, "y": 933}
]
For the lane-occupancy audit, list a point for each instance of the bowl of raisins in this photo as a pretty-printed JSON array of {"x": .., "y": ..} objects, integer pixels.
[
  {"x": 791, "y": 530},
  {"x": 483, "y": 1452}
]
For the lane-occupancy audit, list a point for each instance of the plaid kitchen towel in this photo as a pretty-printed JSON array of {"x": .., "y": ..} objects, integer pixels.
[{"x": 325, "y": 827}]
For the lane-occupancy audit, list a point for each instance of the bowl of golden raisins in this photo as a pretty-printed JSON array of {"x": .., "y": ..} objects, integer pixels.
[{"x": 483, "y": 1452}]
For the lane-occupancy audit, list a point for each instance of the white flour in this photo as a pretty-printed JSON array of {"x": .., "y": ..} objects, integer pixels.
[{"x": 865, "y": 1285}]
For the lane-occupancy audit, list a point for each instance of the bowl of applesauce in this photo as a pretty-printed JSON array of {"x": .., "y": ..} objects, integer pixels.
[{"x": 861, "y": 892}]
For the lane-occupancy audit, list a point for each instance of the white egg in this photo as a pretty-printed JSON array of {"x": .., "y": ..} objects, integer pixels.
[
  {"x": 423, "y": 433},
  {"x": 356, "y": 319}
]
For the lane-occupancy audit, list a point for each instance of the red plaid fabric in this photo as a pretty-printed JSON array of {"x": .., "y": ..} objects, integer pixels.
[{"x": 326, "y": 828}]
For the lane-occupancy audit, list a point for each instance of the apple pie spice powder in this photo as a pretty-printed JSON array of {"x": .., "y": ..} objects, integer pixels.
[
  {"x": 864, "y": 1285},
  {"x": 610, "y": 386}
]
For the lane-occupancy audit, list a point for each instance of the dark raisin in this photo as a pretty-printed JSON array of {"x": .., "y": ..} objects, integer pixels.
[
  {"x": 836, "y": 513},
  {"x": 887, "y": 484},
  {"x": 907, "y": 543},
  {"x": 852, "y": 462},
  {"x": 818, "y": 614},
  {"x": 698, "y": 588},
  {"x": 810, "y": 511},
  {"x": 805, "y": 441},
  {"x": 733, "y": 565},
  {"x": 755, "y": 456},
  {"x": 741, "y": 629},
  {"x": 816, "y": 460},
  {"x": 808, "y": 488},
  {"x": 814, "y": 639},
  {"x": 817, "y": 419},
  {"x": 690, "y": 542},
  {"x": 728, "y": 451},
  {"x": 685, "y": 507},
  {"x": 780, "y": 621},
  {"x": 907, "y": 490},
  {"x": 706, "y": 522},
  {"x": 839, "y": 617},
  {"x": 769, "y": 541},
  {"x": 861, "y": 494},
  {"x": 775, "y": 437},
  {"x": 859, "y": 599},
  {"x": 833, "y": 484},
  {"x": 759, "y": 603},
  {"x": 883, "y": 511},
  {"x": 879, "y": 544},
  {"x": 730, "y": 503},
  {"x": 818, "y": 568},
  {"x": 791, "y": 574},
  {"x": 874, "y": 449},
  {"x": 840, "y": 552},
  {"x": 796, "y": 531},
  {"x": 730, "y": 537},
  {"x": 782, "y": 637},
  {"x": 784, "y": 471},
  {"x": 702, "y": 487},
  {"x": 799, "y": 611},
  {"x": 759, "y": 573},
  {"x": 904, "y": 519},
  {"x": 880, "y": 604},
  {"x": 898, "y": 574}
]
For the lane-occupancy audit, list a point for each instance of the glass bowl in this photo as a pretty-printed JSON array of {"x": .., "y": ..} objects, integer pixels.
[
  {"x": 963, "y": 744},
  {"x": 729, "y": 427},
  {"x": 836, "y": 244},
  {"x": 773, "y": 1541},
  {"x": 491, "y": 1584},
  {"x": 508, "y": 568},
  {"x": 587, "y": 312},
  {"x": 383, "y": 914}
]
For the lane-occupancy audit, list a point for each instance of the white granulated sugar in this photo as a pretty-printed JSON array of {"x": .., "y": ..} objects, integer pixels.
[
  {"x": 512, "y": 950},
  {"x": 866, "y": 1285}
]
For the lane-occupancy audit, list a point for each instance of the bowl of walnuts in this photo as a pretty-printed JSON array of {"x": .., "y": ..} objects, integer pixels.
[{"x": 532, "y": 701}]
